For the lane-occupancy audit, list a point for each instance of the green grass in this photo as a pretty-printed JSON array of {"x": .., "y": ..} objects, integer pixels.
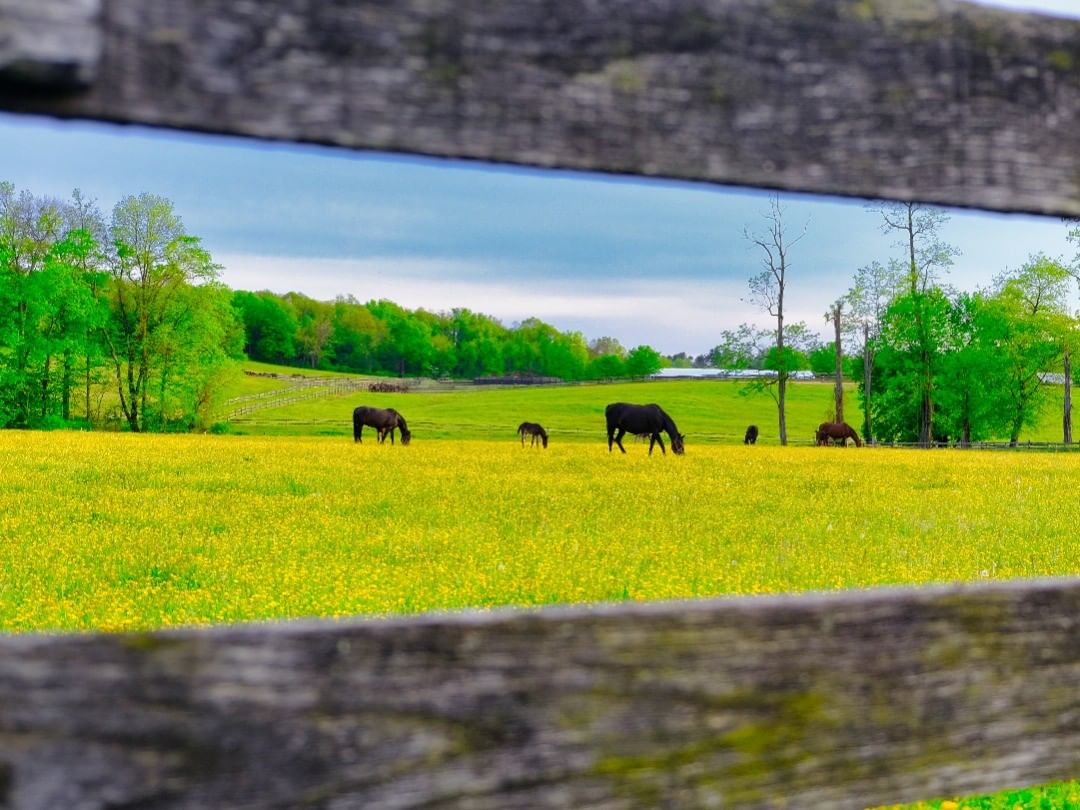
[
  {"x": 707, "y": 411},
  {"x": 1061, "y": 796}
]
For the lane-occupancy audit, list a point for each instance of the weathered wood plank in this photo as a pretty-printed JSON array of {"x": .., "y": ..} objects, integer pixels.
[
  {"x": 936, "y": 100},
  {"x": 825, "y": 701},
  {"x": 49, "y": 46}
]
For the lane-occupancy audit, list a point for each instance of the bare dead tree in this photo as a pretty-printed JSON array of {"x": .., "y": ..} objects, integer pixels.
[{"x": 767, "y": 290}]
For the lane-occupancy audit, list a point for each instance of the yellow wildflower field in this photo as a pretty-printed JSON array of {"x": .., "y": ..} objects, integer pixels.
[{"x": 120, "y": 531}]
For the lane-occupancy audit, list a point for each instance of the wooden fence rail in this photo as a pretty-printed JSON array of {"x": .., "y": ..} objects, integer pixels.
[
  {"x": 937, "y": 100},
  {"x": 820, "y": 701},
  {"x": 839, "y": 700}
]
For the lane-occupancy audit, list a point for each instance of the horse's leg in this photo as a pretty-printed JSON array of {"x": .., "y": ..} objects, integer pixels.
[
  {"x": 659, "y": 440},
  {"x": 618, "y": 439},
  {"x": 522, "y": 432},
  {"x": 358, "y": 435},
  {"x": 391, "y": 437}
]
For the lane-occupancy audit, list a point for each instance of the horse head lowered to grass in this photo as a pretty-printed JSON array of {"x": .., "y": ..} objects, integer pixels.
[
  {"x": 535, "y": 431},
  {"x": 623, "y": 418},
  {"x": 836, "y": 431},
  {"x": 384, "y": 420}
]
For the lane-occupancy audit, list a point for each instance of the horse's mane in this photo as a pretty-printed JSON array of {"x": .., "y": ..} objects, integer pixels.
[
  {"x": 401, "y": 422},
  {"x": 667, "y": 422}
]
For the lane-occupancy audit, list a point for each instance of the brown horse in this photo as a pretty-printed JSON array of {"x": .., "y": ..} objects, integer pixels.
[
  {"x": 836, "y": 431},
  {"x": 535, "y": 431},
  {"x": 384, "y": 420}
]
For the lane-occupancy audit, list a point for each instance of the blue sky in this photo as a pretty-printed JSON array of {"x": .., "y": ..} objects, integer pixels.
[{"x": 646, "y": 261}]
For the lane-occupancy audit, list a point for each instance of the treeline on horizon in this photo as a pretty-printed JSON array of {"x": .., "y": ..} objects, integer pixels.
[
  {"x": 121, "y": 321},
  {"x": 381, "y": 337}
]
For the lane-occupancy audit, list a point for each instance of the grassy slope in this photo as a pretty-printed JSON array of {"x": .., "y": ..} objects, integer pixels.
[{"x": 707, "y": 411}]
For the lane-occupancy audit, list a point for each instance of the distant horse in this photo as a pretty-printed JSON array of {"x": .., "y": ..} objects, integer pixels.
[
  {"x": 384, "y": 420},
  {"x": 533, "y": 430},
  {"x": 648, "y": 419},
  {"x": 751, "y": 435},
  {"x": 837, "y": 431}
]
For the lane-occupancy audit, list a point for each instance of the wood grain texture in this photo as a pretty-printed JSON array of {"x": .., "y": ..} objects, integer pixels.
[
  {"x": 48, "y": 47},
  {"x": 826, "y": 701},
  {"x": 936, "y": 100},
  {"x": 823, "y": 701}
]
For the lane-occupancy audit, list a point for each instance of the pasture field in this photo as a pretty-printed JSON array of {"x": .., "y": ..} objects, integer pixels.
[
  {"x": 707, "y": 411},
  {"x": 128, "y": 532},
  {"x": 121, "y": 531}
]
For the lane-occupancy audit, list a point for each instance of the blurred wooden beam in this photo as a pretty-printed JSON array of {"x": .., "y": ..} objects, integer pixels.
[
  {"x": 936, "y": 100},
  {"x": 48, "y": 47},
  {"x": 840, "y": 700}
]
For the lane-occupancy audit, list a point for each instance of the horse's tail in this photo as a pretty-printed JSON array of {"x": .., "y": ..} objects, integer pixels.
[
  {"x": 357, "y": 425},
  {"x": 521, "y": 427}
]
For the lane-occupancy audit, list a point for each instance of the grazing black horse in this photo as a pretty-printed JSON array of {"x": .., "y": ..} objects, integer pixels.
[
  {"x": 535, "y": 431},
  {"x": 648, "y": 419},
  {"x": 751, "y": 435},
  {"x": 836, "y": 431},
  {"x": 384, "y": 420}
]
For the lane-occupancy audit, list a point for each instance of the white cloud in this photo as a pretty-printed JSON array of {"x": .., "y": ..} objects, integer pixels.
[{"x": 671, "y": 315}]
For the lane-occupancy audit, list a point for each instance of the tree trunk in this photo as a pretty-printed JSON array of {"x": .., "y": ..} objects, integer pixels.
[
  {"x": 1014, "y": 434},
  {"x": 65, "y": 390},
  {"x": 838, "y": 393},
  {"x": 926, "y": 405},
  {"x": 1066, "y": 414},
  {"x": 781, "y": 392},
  {"x": 45, "y": 386},
  {"x": 965, "y": 427},
  {"x": 87, "y": 391},
  {"x": 780, "y": 396},
  {"x": 868, "y": 380}
]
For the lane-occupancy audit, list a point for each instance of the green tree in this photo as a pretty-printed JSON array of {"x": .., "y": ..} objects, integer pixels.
[
  {"x": 928, "y": 257},
  {"x": 606, "y": 345},
  {"x": 270, "y": 326},
  {"x": 156, "y": 262},
  {"x": 1034, "y": 328},
  {"x": 874, "y": 287},
  {"x": 743, "y": 347},
  {"x": 971, "y": 403},
  {"x": 902, "y": 348},
  {"x": 823, "y": 360},
  {"x": 607, "y": 367},
  {"x": 643, "y": 361}
]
